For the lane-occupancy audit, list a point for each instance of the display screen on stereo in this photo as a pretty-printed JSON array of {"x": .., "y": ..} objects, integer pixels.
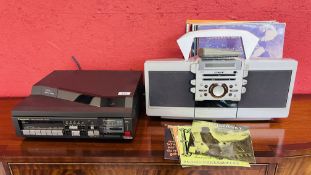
[
  {"x": 41, "y": 124},
  {"x": 208, "y": 65}
]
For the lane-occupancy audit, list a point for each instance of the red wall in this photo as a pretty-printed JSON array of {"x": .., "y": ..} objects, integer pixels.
[{"x": 37, "y": 37}]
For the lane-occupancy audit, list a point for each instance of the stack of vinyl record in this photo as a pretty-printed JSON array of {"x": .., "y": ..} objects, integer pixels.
[
  {"x": 209, "y": 144},
  {"x": 270, "y": 35}
]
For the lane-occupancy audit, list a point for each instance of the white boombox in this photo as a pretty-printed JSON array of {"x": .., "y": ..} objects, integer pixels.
[{"x": 219, "y": 88}]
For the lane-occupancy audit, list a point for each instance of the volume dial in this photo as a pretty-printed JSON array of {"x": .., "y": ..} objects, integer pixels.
[{"x": 218, "y": 91}]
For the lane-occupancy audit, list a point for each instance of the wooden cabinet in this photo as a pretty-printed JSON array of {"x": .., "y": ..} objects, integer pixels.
[
  {"x": 129, "y": 168},
  {"x": 295, "y": 165},
  {"x": 282, "y": 147}
]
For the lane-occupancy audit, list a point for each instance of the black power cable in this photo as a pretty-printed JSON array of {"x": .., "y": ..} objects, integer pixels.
[{"x": 76, "y": 62}]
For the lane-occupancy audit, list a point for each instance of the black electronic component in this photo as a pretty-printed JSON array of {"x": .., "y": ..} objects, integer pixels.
[{"x": 81, "y": 104}]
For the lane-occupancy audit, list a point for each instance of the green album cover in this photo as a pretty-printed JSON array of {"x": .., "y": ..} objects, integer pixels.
[
  {"x": 190, "y": 159},
  {"x": 223, "y": 141}
]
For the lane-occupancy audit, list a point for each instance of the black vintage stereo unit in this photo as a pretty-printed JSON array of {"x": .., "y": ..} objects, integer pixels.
[{"x": 81, "y": 104}]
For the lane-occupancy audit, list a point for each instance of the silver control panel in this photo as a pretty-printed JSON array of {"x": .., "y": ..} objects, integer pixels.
[{"x": 219, "y": 79}]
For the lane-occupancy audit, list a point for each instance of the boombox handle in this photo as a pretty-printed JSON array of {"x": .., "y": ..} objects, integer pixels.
[{"x": 249, "y": 40}]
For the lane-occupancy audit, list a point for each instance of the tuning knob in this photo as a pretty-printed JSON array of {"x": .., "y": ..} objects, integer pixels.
[{"x": 217, "y": 90}]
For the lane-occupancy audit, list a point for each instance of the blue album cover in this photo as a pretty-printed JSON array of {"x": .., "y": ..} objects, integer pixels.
[
  {"x": 270, "y": 34},
  {"x": 228, "y": 43}
]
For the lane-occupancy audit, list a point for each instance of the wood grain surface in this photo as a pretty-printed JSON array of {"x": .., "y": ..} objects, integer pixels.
[
  {"x": 130, "y": 168},
  {"x": 282, "y": 146}
]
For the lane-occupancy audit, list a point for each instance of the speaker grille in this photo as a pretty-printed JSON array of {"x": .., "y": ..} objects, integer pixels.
[{"x": 170, "y": 88}]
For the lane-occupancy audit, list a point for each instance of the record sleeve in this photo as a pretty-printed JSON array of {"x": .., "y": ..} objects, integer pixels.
[{"x": 223, "y": 141}]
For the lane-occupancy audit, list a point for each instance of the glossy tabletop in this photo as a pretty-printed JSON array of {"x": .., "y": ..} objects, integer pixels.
[{"x": 271, "y": 139}]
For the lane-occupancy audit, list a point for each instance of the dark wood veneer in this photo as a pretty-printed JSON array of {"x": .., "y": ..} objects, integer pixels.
[
  {"x": 130, "y": 168},
  {"x": 282, "y": 146}
]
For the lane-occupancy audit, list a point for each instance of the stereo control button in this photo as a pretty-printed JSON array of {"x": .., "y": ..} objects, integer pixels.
[
  {"x": 43, "y": 132},
  {"x": 75, "y": 133},
  {"x": 26, "y": 132},
  {"x": 49, "y": 132},
  {"x": 245, "y": 73},
  {"x": 37, "y": 132},
  {"x": 90, "y": 133},
  {"x": 73, "y": 127},
  {"x": 59, "y": 132},
  {"x": 96, "y": 133},
  {"x": 127, "y": 133},
  {"x": 244, "y": 82},
  {"x": 32, "y": 132},
  {"x": 192, "y": 82},
  {"x": 54, "y": 132},
  {"x": 192, "y": 90}
]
